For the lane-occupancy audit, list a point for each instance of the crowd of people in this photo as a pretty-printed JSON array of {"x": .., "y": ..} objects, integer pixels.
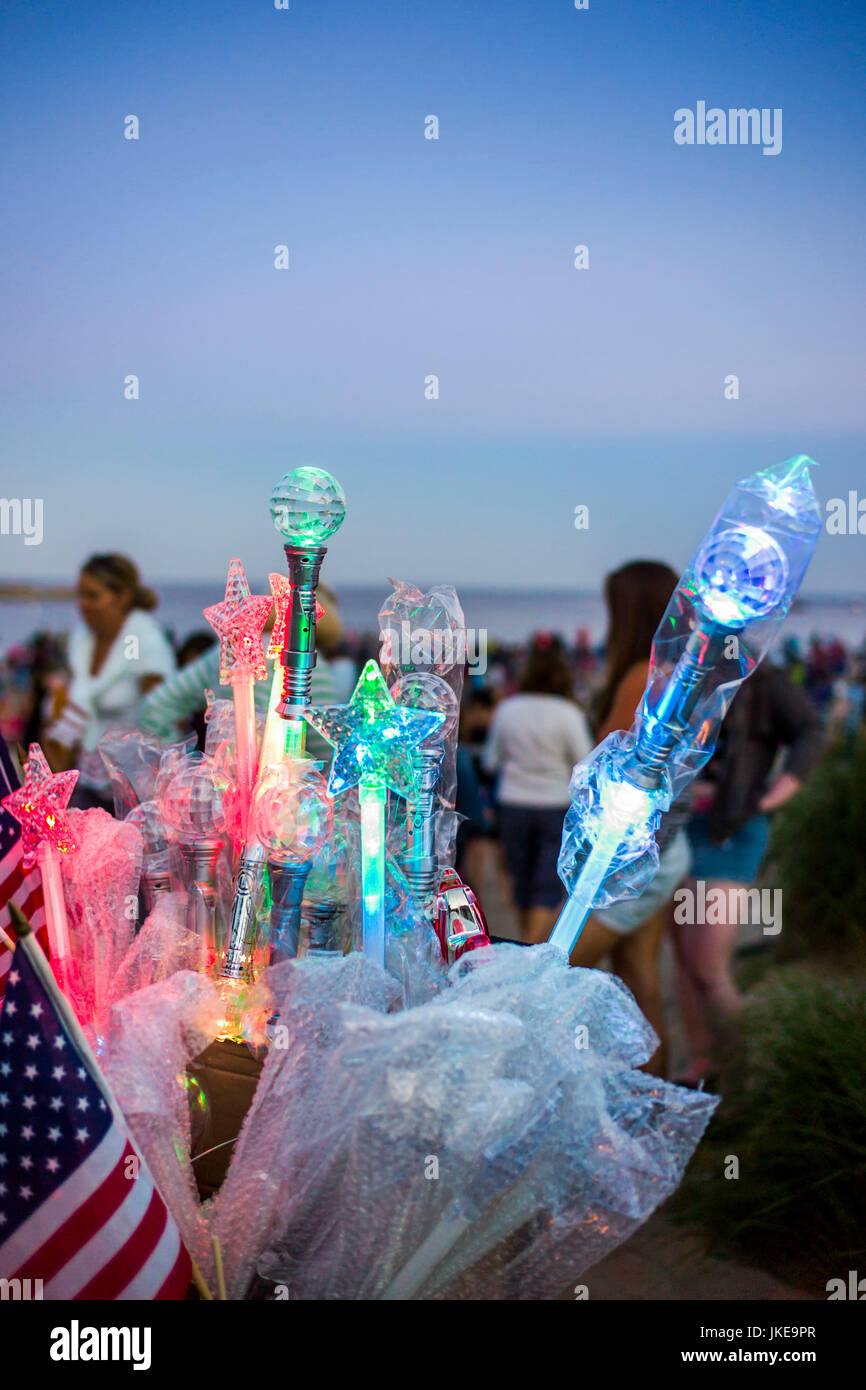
[{"x": 526, "y": 721}]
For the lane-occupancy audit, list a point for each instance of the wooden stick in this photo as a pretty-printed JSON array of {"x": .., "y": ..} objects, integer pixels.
[
  {"x": 39, "y": 961},
  {"x": 198, "y": 1279},
  {"x": 218, "y": 1263}
]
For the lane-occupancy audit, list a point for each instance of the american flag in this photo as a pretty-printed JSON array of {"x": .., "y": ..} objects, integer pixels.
[
  {"x": 22, "y": 888},
  {"x": 78, "y": 1208}
]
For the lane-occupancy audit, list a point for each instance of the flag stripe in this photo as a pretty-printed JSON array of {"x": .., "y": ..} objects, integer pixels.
[
  {"x": 28, "y": 1244},
  {"x": 12, "y": 882},
  {"x": 72, "y": 1246},
  {"x": 178, "y": 1279},
  {"x": 128, "y": 1232},
  {"x": 137, "y": 1256}
]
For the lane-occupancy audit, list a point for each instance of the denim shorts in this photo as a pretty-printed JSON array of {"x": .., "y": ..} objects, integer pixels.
[
  {"x": 737, "y": 859},
  {"x": 531, "y": 837}
]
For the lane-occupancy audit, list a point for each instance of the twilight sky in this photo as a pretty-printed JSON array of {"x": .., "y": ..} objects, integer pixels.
[{"x": 409, "y": 257}]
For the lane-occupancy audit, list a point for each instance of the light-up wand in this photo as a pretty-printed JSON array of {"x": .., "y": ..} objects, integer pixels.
[
  {"x": 46, "y": 836},
  {"x": 307, "y": 507},
  {"x": 425, "y": 691},
  {"x": 373, "y": 739},
  {"x": 720, "y": 621}
]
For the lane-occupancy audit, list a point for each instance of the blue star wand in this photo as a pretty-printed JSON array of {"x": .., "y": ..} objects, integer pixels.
[{"x": 373, "y": 738}]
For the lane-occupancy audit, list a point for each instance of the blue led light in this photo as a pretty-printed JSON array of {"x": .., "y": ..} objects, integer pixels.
[{"x": 741, "y": 574}]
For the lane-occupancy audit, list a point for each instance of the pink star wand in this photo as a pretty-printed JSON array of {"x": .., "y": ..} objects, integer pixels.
[
  {"x": 239, "y": 621},
  {"x": 46, "y": 836}
]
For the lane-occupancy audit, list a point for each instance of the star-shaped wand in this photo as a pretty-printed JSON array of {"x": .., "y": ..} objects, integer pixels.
[
  {"x": 239, "y": 621},
  {"x": 373, "y": 738},
  {"x": 45, "y": 836}
]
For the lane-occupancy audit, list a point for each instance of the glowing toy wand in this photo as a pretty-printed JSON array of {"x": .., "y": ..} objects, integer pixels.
[
  {"x": 307, "y": 506},
  {"x": 426, "y": 691},
  {"x": 293, "y": 819},
  {"x": 373, "y": 738},
  {"x": 45, "y": 835},
  {"x": 721, "y": 619},
  {"x": 190, "y": 801},
  {"x": 238, "y": 622}
]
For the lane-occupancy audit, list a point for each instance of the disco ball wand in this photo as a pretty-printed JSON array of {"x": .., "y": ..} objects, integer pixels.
[
  {"x": 722, "y": 617},
  {"x": 307, "y": 507}
]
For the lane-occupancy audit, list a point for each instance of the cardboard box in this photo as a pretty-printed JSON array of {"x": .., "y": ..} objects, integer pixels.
[{"x": 228, "y": 1074}]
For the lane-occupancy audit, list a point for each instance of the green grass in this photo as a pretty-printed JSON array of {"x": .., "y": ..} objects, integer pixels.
[
  {"x": 818, "y": 857},
  {"x": 797, "y": 1124}
]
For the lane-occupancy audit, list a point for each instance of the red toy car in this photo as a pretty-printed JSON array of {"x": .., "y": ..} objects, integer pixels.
[{"x": 460, "y": 923}]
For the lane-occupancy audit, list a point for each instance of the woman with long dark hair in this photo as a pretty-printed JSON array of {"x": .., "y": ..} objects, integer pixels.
[
  {"x": 631, "y": 932},
  {"x": 733, "y": 800}
]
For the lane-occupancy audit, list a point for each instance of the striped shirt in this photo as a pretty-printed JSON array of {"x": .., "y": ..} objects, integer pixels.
[{"x": 175, "y": 701}]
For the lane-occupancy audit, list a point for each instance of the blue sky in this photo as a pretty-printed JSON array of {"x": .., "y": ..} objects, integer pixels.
[{"x": 410, "y": 256}]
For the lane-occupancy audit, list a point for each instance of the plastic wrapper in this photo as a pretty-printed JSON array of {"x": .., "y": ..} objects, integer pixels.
[
  {"x": 190, "y": 791},
  {"x": 413, "y": 956},
  {"x": 146, "y": 818},
  {"x": 219, "y": 723},
  {"x": 152, "y": 1036},
  {"x": 247, "y": 1211},
  {"x": 325, "y": 917},
  {"x": 158, "y": 874},
  {"x": 132, "y": 760},
  {"x": 191, "y": 795},
  {"x": 100, "y": 887},
  {"x": 162, "y": 947},
  {"x": 637, "y": 855},
  {"x": 721, "y": 620},
  {"x": 426, "y": 632},
  {"x": 726, "y": 613},
  {"x": 498, "y": 1136}
]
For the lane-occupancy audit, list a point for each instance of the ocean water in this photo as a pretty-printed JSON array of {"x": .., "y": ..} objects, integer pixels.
[{"x": 505, "y": 616}]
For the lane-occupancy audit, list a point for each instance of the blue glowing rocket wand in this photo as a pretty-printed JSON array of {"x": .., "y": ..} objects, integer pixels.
[{"x": 721, "y": 619}]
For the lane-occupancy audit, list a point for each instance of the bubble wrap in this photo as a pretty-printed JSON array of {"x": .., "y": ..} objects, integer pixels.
[
  {"x": 247, "y": 1211},
  {"x": 427, "y": 632},
  {"x": 100, "y": 887},
  {"x": 483, "y": 1136},
  {"x": 485, "y": 1113},
  {"x": 152, "y": 1035},
  {"x": 163, "y": 946},
  {"x": 131, "y": 760}
]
